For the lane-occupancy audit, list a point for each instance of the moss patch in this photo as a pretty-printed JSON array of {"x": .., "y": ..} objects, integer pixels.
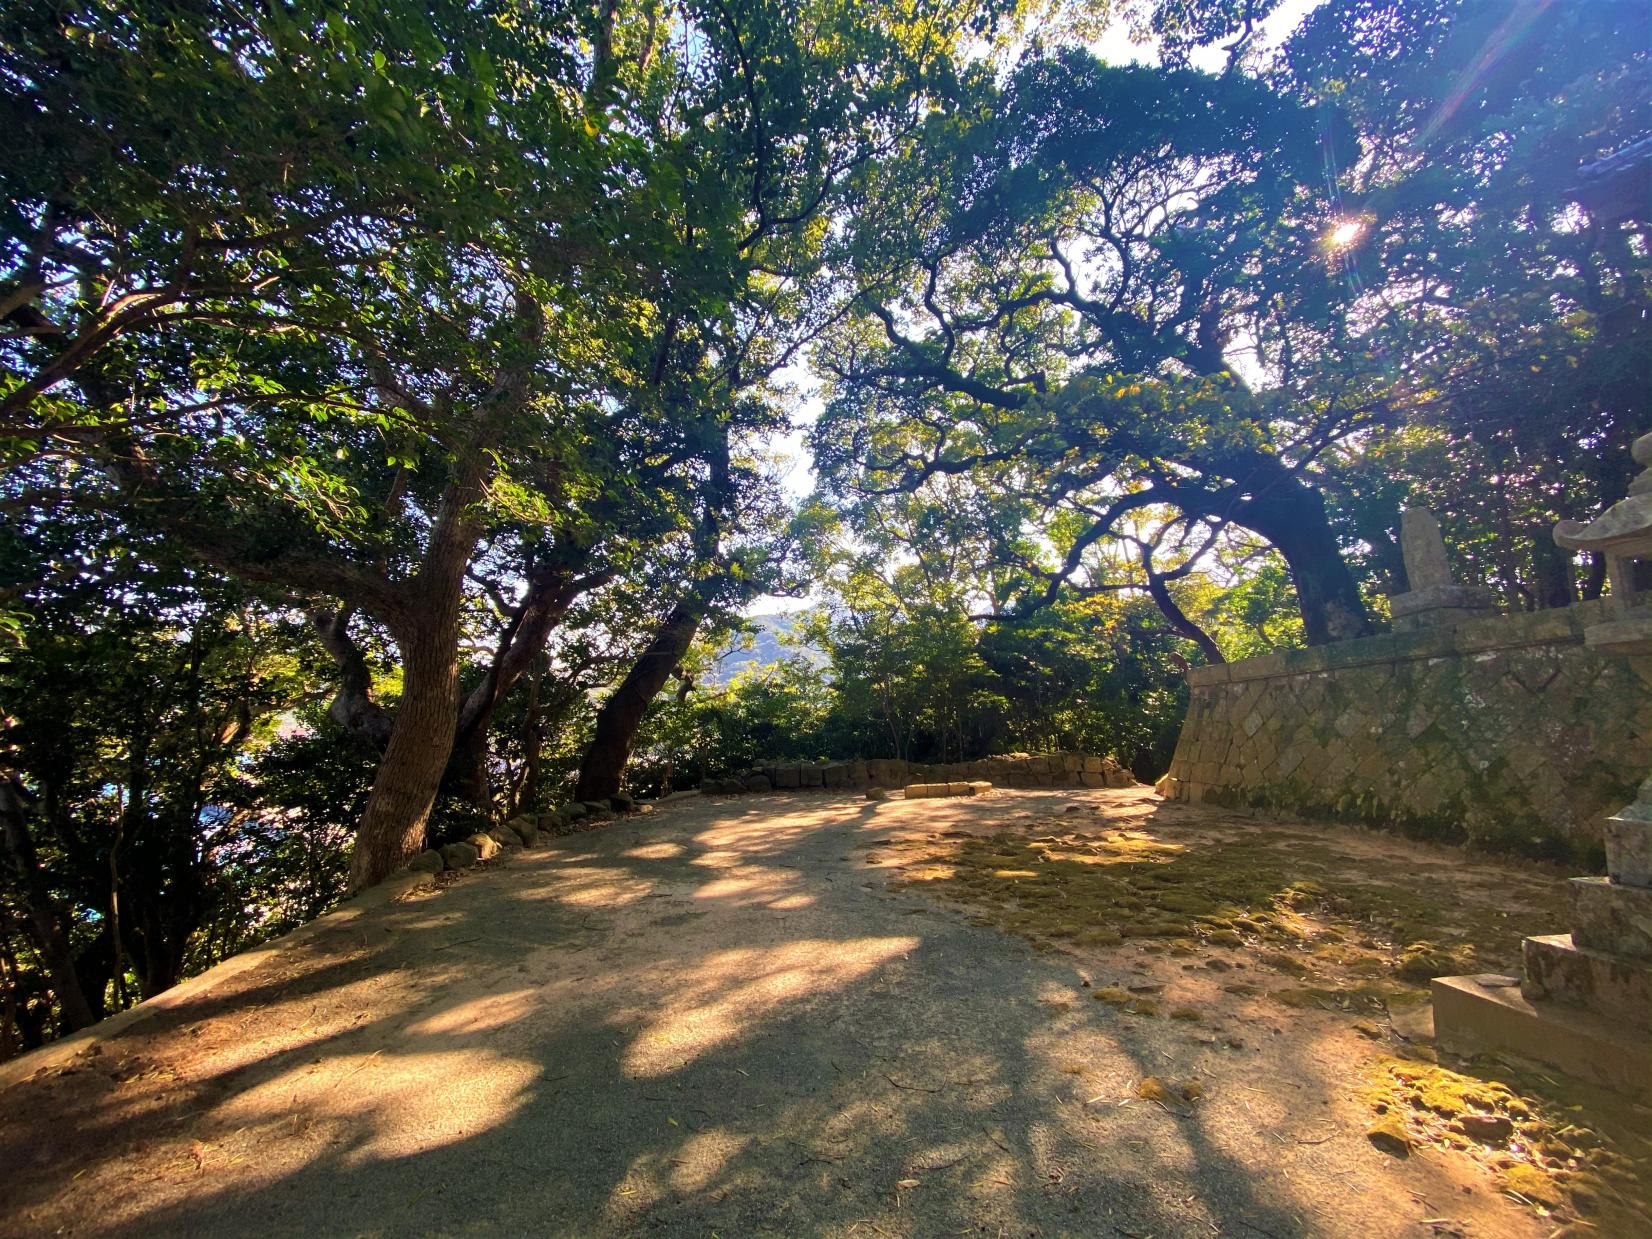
[
  {"x": 1530, "y": 1138},
  {"x": 1243, "y": 890}
]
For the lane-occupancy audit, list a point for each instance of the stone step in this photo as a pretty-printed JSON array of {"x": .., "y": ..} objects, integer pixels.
[
  {"x": 1629, "y": 850},
  {"x": 1490, "y": 1014},
  {"x": 1609, "y": 916},
  {"x": 1558, "y": 970}
]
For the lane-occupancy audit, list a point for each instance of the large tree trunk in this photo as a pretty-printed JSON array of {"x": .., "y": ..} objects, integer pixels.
[
  {"x": 1290, "y": 514},
  {"x": 47, "y": 927},
  {"x": 392, "y": 827},
  {"x": 621, "y": 715}
]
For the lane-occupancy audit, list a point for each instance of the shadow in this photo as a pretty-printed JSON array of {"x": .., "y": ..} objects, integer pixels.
[{"x": 715, "y": 1020}]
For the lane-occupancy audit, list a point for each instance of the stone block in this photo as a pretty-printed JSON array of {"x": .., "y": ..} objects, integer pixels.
[
  {"x": 1489, "y": 1014},
  {"x": 759, "y": 783},
  {"x": 1629, "y": 850},
  {"x": 857, "y": 774},
  {"x": 1608, "y": 916},
  {"x": 834, "y": 775},
  {"x": 1610, "y": 985},
  {"x": 487, "y": 847},
  {"x": 526, "y": 829},
  {"x": 459, "y": 855},
  {"x": 787, "y": 777},
  {"x": 877, "y": 793},
  {"x": 428, "y": 861},
  {"x": 809, "y": 775},
  {"x": 505, "y": 837},
  {"x": 1093, "y": 778}
]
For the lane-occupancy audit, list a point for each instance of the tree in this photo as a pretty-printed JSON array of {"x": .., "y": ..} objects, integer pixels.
[{"x": 1091, "y": 241}]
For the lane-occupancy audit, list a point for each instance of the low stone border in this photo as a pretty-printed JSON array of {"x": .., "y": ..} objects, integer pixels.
[
  {"x": 932, "y": 791},
  {"x": 523, "y": 832},
  {"x": 1013, "y": 770}
]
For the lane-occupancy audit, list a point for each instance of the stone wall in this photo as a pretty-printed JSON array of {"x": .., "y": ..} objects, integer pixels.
[
  {"x": 1503, "y": 732},
  {"x": 1015, "y": 770}
]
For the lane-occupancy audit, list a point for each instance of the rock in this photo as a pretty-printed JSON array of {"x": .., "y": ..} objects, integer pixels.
[
  {"x": 459, "y": 855},
  {"x": 427, "y": 862},
  {"x": 597, "y": 810},
  {"x": 810, "y": 776},
  {"x": 877, "y": 793},
  {"x": 1166, "y": 786},
  {"x": 525, "y": 829},
  {"x": 759, "y": 783},
  {"x": 619, "y": 802},
  {"x": 1486, "y": 1128},
  {"x": 1389, "y": 1135},
  {"x": 572, "y": 811},
  {"x": 786, "y": 777},
  {"x": 834, "y": 775},
  {"x": 487, "y": 847},
  {"x": 505, "y": 837},
  {"x": 549, "y": 823}
]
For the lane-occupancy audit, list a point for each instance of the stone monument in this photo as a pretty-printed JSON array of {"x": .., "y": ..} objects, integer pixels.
[
  {"x": 1585, "y": 1002},
  {"x": 1433, "y": 599}
]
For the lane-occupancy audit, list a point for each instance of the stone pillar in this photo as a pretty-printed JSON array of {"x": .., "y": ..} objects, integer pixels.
[{"x": 1433, "y": 599}]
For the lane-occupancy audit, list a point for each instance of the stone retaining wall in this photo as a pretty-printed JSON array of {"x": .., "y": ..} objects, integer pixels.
[
  {"x": 1015, "y": 770},
  {"x": 1505, "y": 732}
]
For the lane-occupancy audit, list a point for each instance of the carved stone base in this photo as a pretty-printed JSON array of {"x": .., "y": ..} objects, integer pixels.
[
  {"x": 1629, "y": 848},
  {"x": 1490, "y": 1014},
  {"x": 1559, "y": 970},
  {"x": 1440, "y": 606},
  {"x": 1611, "y": 916}
]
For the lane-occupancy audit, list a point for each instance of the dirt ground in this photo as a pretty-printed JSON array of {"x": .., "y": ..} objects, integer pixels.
[{"x": 1028, "y": 1014}]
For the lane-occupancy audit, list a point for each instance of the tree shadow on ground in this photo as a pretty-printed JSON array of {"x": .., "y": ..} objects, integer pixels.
[{"x": 676, "y": 1026}]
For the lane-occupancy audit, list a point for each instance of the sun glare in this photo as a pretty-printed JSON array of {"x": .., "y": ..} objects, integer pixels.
[{"x": 1344, "y": 233}]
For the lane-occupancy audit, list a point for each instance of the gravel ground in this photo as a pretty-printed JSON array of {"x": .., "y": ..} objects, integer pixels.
[{"x": 716, "y": 1020}]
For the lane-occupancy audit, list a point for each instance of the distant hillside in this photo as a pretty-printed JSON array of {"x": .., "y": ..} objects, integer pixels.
[{"x": 763, "y": 648}]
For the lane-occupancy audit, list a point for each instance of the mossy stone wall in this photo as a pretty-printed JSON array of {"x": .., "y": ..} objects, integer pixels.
[{"x": 1503, "y": 732}]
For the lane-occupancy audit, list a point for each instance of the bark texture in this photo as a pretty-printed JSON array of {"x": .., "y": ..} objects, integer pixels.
[{"x": 621, "y": 715}]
